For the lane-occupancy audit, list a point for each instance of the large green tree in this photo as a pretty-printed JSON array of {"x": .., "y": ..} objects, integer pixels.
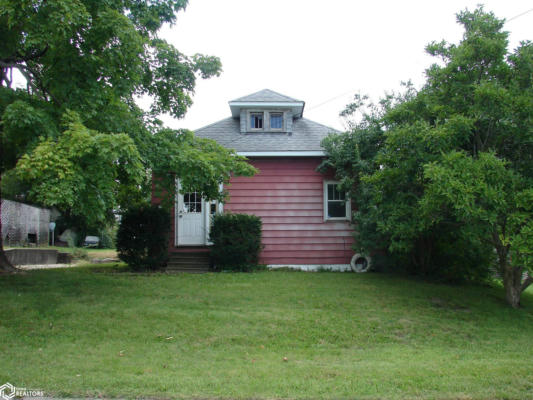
[
  {"x": 441, "y": 176},
  {"x": 485, "y": 193},
  {"x": 74, "y": 134}
]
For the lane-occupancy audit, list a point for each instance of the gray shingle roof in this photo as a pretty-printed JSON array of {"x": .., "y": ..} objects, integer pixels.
[
  {"x": 306, "y": 136},
  {"x": 266, "y": 95}
]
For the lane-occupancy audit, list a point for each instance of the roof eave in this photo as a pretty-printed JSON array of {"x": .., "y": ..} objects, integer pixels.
[
  {"x": 297, "y": 107},
  {"x": 305, "y": 153}
]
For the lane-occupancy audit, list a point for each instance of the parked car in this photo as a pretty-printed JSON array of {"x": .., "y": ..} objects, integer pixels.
[{"x": 91, "y": 241}]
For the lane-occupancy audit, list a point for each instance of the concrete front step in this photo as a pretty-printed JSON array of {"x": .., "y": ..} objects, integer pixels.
[
  {"x": 203, "y": 256},
  {"x": 189, "y": 262},
  {"x": 192, "y": 262}
]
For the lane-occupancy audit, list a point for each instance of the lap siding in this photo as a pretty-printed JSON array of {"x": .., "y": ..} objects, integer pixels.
[{"x": 288, "y": 196}]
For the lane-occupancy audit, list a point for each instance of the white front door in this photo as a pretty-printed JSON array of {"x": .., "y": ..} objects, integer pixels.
[{"x": 190, "y": 219}]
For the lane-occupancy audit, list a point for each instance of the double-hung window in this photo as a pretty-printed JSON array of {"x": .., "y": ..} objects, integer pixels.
[
  {"x": 276, "y": 121},
  {"x": 266, "y": 121},
  {"x": 256, "y": 120},
  {"x": 336, "y": 205}
]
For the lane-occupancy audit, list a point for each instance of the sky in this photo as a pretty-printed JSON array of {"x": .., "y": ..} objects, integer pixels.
[{"x": 321, "y": 52}]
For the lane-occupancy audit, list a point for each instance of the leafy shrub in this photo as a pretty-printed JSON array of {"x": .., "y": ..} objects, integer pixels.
[
  {"x": 236, "y": 242},
  {"x": 142, "y": 238},
  {"x": 70, "y": 237},
  {"x": 107, "y": 237},
  {"x": 461, "y": 257},
  {"x": 80, "y": 254}
]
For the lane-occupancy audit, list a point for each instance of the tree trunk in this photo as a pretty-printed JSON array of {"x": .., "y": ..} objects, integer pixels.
[
  {"x": 512, "y": 282},
  {"x": 512, "y": 276},
  {"x": 513, "y": 287},
  {"x": 5, "y": 265}
]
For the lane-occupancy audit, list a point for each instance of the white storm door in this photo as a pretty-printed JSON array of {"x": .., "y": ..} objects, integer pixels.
[{"x": 190, "y": 219}]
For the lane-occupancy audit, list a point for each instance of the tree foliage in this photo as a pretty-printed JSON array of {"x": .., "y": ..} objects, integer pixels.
[
  {"x": 202, "y": 165},
  {"x": 484, "y": 192},
  {"x": 75, "y": 133},
  {"x": 440, "y": 175},
  {"x": 84, "y": 171},
  {"x": 86, "y": 54}
]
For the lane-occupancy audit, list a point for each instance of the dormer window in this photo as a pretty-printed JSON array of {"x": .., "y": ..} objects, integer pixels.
[
  {"x": 265, "y": 121},
  {"x": 276, "y": 121},
  {"x": 266, "y": 111},
  {"x": 256, "y": 120}
]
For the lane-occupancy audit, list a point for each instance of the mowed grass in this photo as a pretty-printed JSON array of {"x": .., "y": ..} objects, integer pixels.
[{"x": 101, "y": 332}]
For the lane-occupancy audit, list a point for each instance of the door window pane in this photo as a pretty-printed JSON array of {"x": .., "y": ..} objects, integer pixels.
[{"x": 192, "y": 202}]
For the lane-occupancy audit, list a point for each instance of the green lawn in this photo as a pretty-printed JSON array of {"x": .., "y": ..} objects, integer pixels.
[{"x": 100, "y": 332}]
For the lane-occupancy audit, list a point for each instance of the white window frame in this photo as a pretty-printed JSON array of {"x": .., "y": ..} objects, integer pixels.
[
  {"x": 282, "y": 121},
  {"x": 266, "y": 121},
  {"x": 250, "y": 121},
  {"x": 347, "y": 200}
]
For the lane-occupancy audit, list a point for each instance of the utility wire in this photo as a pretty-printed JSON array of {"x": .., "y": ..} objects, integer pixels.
[
  {"x": 353, "y": 91},
  {"x": 333, "y": 98},
  {"x": 519, "y": 15}
]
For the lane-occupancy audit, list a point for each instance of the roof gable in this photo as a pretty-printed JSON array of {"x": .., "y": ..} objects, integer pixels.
[{"x": 266, "y": 96}]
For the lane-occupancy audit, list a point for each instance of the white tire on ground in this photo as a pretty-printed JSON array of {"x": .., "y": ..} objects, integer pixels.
[{"x": 360, "y": 263}]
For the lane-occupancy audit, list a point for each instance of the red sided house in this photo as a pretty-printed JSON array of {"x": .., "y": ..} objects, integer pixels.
[{"x": 306, "y": 220}]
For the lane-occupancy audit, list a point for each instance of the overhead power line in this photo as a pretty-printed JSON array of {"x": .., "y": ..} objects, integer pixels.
[
  {"x": 519, "y": 15},
  {"x": 354, "y": 91},
  {"x": 329, "y": 100}
]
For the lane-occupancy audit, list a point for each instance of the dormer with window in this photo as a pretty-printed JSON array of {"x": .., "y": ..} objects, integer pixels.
[
  {"x": 266, "y": 111},
  {"x": 267, "y": 120}
]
